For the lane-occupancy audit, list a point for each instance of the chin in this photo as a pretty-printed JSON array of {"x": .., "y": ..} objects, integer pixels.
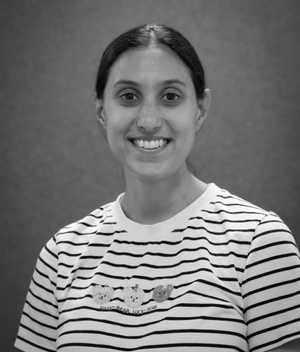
[{"x": 152, "y": 172}]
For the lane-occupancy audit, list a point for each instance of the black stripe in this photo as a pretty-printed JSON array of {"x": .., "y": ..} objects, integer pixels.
[
  {"x": 123, "y": 265},
  {"x": 50, "y": 252},
  {"x": 111, "y": 233},
  {"x": 105, "y": 245},
  {"x": 281, "y": 283},
  {"x": 281, "y": 311},
  {"x": 278, "y": 298},
  {"x": 73, "y": 232},
  {"x": 65, "y": 265},
  {"x": 281, "y": 338},
  {"x": 272, "y": 244},
  {"x": 248, "y": 205},
  {"x": 37, "y": 333},
  {"x": 87, "y": 224},
  {"x": 46, "y": 277},
  {"x": 74, "y": 270},
  {"x": 40, "y": 310},
  {"x": 96, "y": 216},
  {"x": 274, "y": 327},
  {"x": 73, "y": 243},
  {"x": 271, "y": 272},
  {"x": 42, "y": 300},
  {"x": 176, "y": 253},
  {"x": 270, "y": 232},
  {"x": 212, "y": 232},
  {"x": 223, "y": 221},
  {"x": 91, "y": 257},
  {"x": 180, "y": 241},
  {"x": 146, "y": 278},
  {"x": 231, "y": 212},
  {"x": 167, "y": 346},
  {"x": 69, "y": 254},
  {"x": 46, "y": 264},
  {"x": 227, "y": 197},
  {"x": 189, "y": 305},
  {"x": 278, "y": 221},
  {"x": 268, "y": 259},
  {"x": 34, "y": 344},
  {"x": 39, "y": 322},
  {"x": 185, "y": 318},
  {"x": 159, "y": 332},
  {"x": 146, "y": 265},
  {"x": 41, "y": 286}
]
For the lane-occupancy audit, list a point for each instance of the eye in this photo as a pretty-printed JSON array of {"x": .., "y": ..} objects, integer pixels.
[
  {"x": 128, "y": 97},
  {"x": 171, "y": 97}
]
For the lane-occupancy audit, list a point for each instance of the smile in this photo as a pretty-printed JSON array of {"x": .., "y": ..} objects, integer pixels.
[{"x": 149, "y": 145}]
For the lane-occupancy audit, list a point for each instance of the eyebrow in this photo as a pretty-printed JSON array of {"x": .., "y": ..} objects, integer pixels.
[{"x": 134, "y": 83}]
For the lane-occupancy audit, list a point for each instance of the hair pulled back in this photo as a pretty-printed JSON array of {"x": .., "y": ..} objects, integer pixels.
[{"x": 144, "y": 36}]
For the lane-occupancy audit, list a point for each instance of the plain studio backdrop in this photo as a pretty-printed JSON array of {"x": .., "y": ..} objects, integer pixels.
[{"x": 55, "y": 164}]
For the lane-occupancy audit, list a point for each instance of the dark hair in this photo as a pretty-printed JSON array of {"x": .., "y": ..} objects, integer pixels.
[{"x": 143, "y": 36}]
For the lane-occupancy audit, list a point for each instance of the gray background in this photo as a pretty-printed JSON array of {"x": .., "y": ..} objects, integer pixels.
[{"x": 55, "y": 165}]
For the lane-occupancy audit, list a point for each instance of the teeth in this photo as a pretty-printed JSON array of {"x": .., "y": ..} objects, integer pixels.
[{"x": 154, "y": 144}]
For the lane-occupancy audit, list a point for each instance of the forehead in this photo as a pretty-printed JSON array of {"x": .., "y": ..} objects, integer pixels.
[{"x": 149, "y": 65}]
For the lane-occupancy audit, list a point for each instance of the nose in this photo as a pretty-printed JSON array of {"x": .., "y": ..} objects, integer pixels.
[{"x": 149, "y": 118}]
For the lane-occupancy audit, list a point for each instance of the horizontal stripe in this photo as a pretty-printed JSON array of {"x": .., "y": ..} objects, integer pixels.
[
  {"x": 173, "y": 243},
  {"x": 40, "y": 310},
  {"x": 275, "y": 299},
  {"x": 268, "y": 287},
  {"x": 37, "y": 334},
  {"x": 167, "y": 346},
  {"x": 277, "y": 312},
  {"x": 161, "y": 332},
  {"x": 149, "y": 323},
  {"x": 280, "y": 339},
  {"x": 42, "y": 300},
  {"x": 162, "y": 254},
  {"x": 271, "y": 272},
  {"x": 35, "y": 344},
  {"x": 39, "y": 322},
  {"x": 274, "y": 327},
  {"x": 179, "y": 305}
]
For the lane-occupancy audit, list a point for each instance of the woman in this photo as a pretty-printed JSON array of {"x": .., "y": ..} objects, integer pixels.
[{"x": 173, "y": 264}]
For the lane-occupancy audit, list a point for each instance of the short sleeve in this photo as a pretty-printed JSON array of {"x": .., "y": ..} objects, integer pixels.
[
  {"x": 38, "y": 325},
  {"x": 271, "y": 286}
]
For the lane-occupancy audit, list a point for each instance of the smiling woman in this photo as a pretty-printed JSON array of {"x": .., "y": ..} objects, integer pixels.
[
  {"x": 157, "y": 103},
  {"x": 174, "y": 263}
]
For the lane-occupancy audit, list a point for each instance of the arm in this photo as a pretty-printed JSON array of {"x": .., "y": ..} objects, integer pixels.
[
  {"x": 271, "y": 288},
  {"x": 292, "y": 346},
  {"x": 38, "y": 325}
]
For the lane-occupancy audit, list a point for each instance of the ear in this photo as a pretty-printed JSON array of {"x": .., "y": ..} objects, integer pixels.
[
  {"x": 100, "y": 112},
  {"x": 203, "y": 107}
]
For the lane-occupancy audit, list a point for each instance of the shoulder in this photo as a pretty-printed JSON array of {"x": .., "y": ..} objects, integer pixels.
[
  {"x": 262, "y": 224},
  {"x": 235, "y": 212},
  {"x": 77, "y": 233},
  {"x": 234, "y": 204}
]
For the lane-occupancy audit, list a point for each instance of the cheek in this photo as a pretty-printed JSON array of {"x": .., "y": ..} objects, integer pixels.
[
  {"x": 116, "y": 131},
  {"x": 117, "y": 123}
]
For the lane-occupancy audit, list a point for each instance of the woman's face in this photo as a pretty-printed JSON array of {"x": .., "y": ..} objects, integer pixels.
[{"x": 151, "y": 113}]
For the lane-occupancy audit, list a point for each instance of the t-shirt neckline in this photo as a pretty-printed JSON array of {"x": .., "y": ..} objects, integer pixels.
[{"x": 199, "y": 203}]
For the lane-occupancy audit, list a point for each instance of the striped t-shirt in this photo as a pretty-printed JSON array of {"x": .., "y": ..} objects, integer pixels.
[{"x": 220, "y": 275}]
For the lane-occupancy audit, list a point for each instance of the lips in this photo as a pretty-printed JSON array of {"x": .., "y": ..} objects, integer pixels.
[{"x": 150, "y": 144}]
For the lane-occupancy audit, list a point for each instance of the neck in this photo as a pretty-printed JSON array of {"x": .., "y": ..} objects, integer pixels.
[{"x": 149, "y": 202}]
